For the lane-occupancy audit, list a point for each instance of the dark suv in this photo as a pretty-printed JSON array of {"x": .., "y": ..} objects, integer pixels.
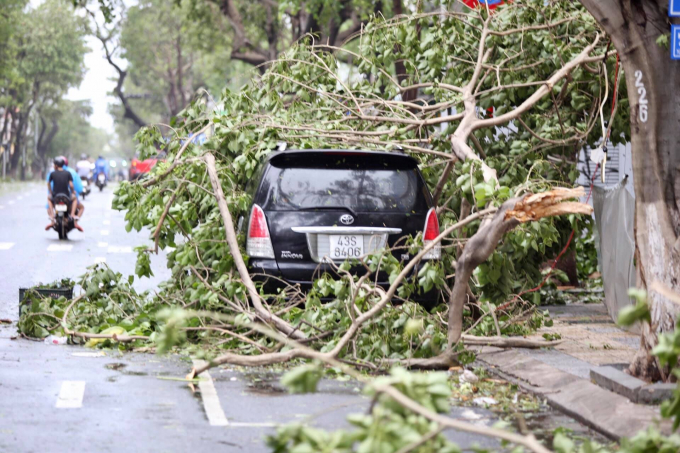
[{"x": 311, "y": 207}]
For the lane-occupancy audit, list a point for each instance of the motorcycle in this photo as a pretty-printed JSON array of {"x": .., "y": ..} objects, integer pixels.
[
  {"x": 63, "y": 222},
  {"x": 101, "y": 181},
  {"x": 86, "y": 186}
]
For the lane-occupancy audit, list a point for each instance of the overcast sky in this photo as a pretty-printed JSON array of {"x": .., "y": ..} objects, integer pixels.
[
  {"x": 97, "y": 81},
  {"x": 96, "y": 85}
]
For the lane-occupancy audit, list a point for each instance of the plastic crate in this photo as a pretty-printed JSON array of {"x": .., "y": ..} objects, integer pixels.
[{"x": 54, "y": 293}]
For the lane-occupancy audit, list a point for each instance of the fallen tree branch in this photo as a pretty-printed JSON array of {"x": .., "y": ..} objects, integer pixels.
[
  {"x": 88, "y": 336},
  {"x": 510, "y": 342},
  {"x": 444, "y": 360},
  {"x": 483, "y": 243},
  {"x": 230, "y": 233}
]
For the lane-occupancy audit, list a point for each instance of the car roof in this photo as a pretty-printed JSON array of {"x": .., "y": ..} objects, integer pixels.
[{"x": 396, "y": 155}]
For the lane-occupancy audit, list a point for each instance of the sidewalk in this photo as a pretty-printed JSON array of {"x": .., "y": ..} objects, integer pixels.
[{"x": 562, "y": 375}]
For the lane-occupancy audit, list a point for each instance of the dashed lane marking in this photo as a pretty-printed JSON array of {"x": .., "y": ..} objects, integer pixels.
[
  {"x": 6, "y": 245},
  {"x": 116, "y": 249},
  {"x": 252, "y": 425},
  {"x": 211, "y": 402},
  {"x": 105, "y": 232},
  {"x": 89, "y": 354},
  {"x": 71, "y": 395},
  {"x": 100, "y": 259},
  {"x": 106, "y": 222},
  {"x": 102, "y": 244},
  {"x": 59, "y": 248}
]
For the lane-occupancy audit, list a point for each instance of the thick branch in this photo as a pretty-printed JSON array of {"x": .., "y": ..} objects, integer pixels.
[
  {"x": 262, "y": 312},
  {"x": 484, "y": 242}
]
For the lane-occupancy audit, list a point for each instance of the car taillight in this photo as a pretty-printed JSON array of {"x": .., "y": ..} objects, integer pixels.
[
  {"x": 430, "y": 233},
  {"x": 258, "y": 243}
]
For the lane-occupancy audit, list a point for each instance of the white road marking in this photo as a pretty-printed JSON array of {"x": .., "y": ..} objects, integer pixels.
[
  {"x": 106, "y": 222},
  {"x": 11, "y": 202},
  {"x": 105, "y": 232},
  {"x": 116, "y": 249},
  {"x": 71, "y": 395},
  {"x": 102, "y": 244},
  {"x": 211, "y": 402},
  {"x": 88, "y": 354},
  {"x": 20, "y": 198},
  {"x": 252, "y": 425},
  {"x": 6, "y": 245},
  {"x": 100, "y": 259},
  {"x": 59, "y": 248}
]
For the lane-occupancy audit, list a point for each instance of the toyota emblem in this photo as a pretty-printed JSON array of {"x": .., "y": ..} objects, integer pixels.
[{"x": 347, "y": 219}]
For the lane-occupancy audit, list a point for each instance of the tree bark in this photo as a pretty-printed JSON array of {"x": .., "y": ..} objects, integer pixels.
[{"x": 653, "y": 81}]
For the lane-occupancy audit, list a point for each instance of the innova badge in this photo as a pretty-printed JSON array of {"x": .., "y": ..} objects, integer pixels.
[{"x": 346, "y": 219}]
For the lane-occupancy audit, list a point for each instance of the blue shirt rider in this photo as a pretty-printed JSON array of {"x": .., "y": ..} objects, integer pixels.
[{"x": 100, "y": 166}]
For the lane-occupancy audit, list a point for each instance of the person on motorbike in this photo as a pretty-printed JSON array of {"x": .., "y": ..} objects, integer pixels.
[
  {"x": 60, "y": 181},
  {"x": 100, "y": 166},
  {"x": 83, "y": 166},
  {"x": 77, "y": 184}
]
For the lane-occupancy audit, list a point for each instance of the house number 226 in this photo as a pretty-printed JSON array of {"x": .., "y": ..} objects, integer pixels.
[{"x": 642, "y": 91}]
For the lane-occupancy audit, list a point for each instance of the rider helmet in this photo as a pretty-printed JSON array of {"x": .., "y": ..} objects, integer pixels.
[
  {"x": 83, "y": 156},
  {"x": 59, "y": 161},
  {"x": 65, "y": 159}
]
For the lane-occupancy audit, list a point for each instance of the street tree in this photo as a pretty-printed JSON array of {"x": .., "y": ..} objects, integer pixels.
[
  {"x": 163, "y": 53},
  {"x": 640, "y": 33},
  {"x": 49, "y": 43}
]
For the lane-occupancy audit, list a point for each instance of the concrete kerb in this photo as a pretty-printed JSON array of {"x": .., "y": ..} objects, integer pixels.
[
  {"x": 611, "y": 414},
  {"x": 634, "y": 389}
]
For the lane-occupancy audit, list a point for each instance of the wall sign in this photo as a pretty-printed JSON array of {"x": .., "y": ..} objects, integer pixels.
[
  {"x": 675, "y": 42},
  {"x": 674, "y": 8}
]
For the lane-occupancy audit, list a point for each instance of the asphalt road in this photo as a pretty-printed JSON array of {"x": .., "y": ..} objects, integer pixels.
[{"x": 68, "y": 398}]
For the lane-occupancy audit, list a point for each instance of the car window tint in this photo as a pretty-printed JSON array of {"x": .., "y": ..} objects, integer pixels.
[{"x": 342, "y": 183}]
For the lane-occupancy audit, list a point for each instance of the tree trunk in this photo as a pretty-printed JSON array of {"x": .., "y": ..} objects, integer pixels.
[
  {"x": 19, "y": 135},
  {"x": 653, "y": 81}
]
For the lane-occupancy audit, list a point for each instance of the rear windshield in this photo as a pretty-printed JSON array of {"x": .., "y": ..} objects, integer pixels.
[{"x": 363, "y": 183}]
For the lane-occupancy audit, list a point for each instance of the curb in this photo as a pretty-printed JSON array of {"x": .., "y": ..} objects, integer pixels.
[
  {"x": 610, "y": 414},
  {"x": 636, "y": 390}
]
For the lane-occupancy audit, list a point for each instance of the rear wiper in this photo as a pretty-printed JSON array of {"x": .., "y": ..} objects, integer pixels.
[{"x": 317, "y": 208}]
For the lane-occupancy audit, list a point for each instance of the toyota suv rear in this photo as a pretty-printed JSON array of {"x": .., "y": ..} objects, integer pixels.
[{"x": 313, "y": 207}]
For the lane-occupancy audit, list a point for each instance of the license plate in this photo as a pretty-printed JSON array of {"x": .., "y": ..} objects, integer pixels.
[
  {"x": 101, "y": 178},
  {"x": 346, "y": 246},
  {"x": 61, "y": 208}
]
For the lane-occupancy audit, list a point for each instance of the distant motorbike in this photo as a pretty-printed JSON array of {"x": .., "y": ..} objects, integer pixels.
[
  {"x": 63, "y": 222},
  {"x": 101, "y": 181},
  {"x": 86, "y": 186}
]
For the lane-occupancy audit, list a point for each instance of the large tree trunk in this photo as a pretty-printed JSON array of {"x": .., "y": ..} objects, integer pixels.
[{"x": 653, "y": 81}]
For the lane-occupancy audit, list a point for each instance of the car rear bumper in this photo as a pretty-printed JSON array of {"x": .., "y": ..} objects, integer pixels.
[{"x": 269, "y": 272}]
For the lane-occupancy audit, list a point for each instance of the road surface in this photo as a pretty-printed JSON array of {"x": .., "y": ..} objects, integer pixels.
[{"x": 68, "y": 398}]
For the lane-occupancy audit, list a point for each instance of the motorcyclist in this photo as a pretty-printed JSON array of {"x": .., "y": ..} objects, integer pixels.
[
  {"x": 78, "y": 186},
  {"x": 60, "y": 181},
  {"x": 100, "y": 166},
  {"x": 83, "y": 166}
]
